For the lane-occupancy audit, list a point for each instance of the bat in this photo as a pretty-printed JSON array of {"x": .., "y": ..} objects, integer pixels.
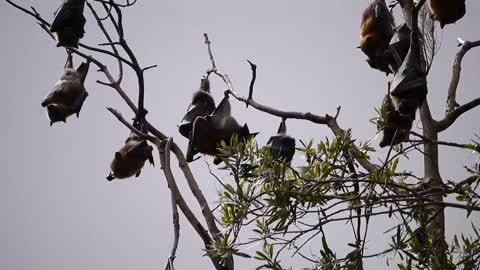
[
  {"x": 281, "y": 146},
  {"x": 409, "y": 85},
  {"x": 376, "y": 31},
  {"x": 209, "y": 131},
  {"x": 399, "y": 46},
  {"x": 397, "y": 126},
  {"x": 447, "y": 11},
  {"x": 68, "y": 94},
  {"x": 202, "y": 105},
  {"x": 130, "y": 159},
  {"x": 69, "y": 22}
]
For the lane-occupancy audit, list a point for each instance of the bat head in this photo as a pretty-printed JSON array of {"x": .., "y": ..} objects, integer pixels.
[
  {"x": 393, "y": 136},
  {"x": 57, "y": 113}
]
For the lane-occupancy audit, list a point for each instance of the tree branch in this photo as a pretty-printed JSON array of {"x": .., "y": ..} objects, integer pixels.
[
  {"x": 107, "y": 36},
  {"x": 180, "y": 201},
  {"x": 457, "y": 68},
  {"x": 453, "y": 115},
  {"x": 176, "y": 224},
  {"x": 328, "y": 120}
]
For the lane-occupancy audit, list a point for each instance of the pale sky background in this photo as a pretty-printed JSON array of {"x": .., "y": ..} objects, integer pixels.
[{"x": 59, "y": 212}]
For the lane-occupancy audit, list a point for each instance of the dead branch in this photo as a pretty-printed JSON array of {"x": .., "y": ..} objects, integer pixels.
[
  {"x": 176, "y": 223},
  {"x": 452, "y": 116},
  {"x": 457, "y": 68}
]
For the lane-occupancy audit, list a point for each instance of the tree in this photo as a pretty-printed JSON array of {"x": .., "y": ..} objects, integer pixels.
[{"x": 339, "y": 178}]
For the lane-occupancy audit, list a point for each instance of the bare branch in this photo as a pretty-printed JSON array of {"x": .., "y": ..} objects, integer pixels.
[
  {"x": 252, "y": 82},
  {"x": 142, "y": 135},
  {"x": 457, "y": 68},
  {"x": 175, "y": 218},
  {"x": 207, "y": 41},
  {"x": 214, "y": 69},
  {"x": 451, "y": 117},
  {"x": 107, "y": 36},
  {"x": 452, "y": 144},
  {"x": 111, "y": 2},
  {"x": 173, "y": 186},
  {"x": 328, "y": 120}
]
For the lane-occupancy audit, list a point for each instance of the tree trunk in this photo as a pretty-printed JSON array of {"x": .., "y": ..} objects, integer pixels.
[{"x": 432, "y": 179}]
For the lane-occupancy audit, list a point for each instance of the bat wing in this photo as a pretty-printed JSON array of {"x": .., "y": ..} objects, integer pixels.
[
  {"x": 83, "y": 70},
  {"x": 410, "y": 76},
  {"x": 402, "y": 35},
  {"x": 140, "y": 150},
  {"x": 201, "y": 133},
  {"x": 77, "y": 105},
  {"x": 71, "y": 13},
  {"x": 281, "y": 146}
]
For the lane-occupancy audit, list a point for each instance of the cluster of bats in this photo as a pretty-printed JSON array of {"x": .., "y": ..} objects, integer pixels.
[
  {"x": 389, "y": 49},
  {"x": 205, "y": 125},
  {"x": 69, "y": 93},
  {"x": 393, "y": 49}
]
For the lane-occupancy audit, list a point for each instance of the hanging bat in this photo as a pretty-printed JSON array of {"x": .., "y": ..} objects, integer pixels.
[
  {"x": 376, "y": 31},
  {"x": 130, "y": 159},
  {"x": 68, "y": 94},
  {"x": 396, "y": 127},
  {"x": 209, "y": 131},
  {"x": 281, "y": 146},
  {"x": 69, "y": 22},
  {"x": 409, "y": 85},
  {"x": 447, "y": 11},
  {"x": 399, "y": 46},
  {"x": 202, "y": 105}
]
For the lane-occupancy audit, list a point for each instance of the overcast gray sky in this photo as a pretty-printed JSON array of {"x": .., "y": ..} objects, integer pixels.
[{"x": 59, "y": 212}]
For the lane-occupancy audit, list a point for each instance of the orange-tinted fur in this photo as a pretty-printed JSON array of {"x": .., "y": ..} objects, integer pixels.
[{"x": 375, "y": 33}]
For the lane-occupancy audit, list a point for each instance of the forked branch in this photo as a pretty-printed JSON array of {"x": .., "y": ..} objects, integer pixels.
[{"x": 457, "y": 68}]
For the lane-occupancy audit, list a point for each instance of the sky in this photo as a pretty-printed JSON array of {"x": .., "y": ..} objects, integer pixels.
[{"x": 59, "y": 212}]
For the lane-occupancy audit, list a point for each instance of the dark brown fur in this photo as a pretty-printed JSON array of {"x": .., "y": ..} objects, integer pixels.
[
  {"x": 447, "y": 11},
  {"x": 397, "y": 127},
  {"x": 130, "y": 159},
  {"x": 202, "y": 105},
  {"x": 209, "y": 131}
]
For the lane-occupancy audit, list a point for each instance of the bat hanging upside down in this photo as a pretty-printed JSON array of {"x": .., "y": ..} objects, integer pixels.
[
  {"x": 130, "y": 159},
  {"x": 69, "y": 22},
  {"x": 202, "y": 105},
  {"x": 68, "y": 95},
  {"x": 447, "y": 11},
  {"x": 376, "y": 31},
  {"x": 209, "y": 131},
  {"x": 281, "y": 146}
]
